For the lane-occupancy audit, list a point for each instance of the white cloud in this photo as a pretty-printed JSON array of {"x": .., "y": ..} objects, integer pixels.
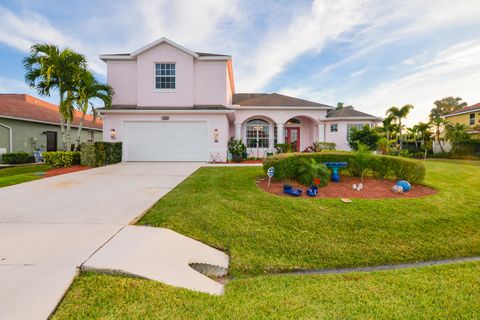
[
  {"x": 359, "y": 72},
  {"x": 307, "y": 32},
  {"x": 452, "y": 72}
]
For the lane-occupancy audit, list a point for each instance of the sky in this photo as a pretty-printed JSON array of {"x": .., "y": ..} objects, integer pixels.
[{"x": 372, "y": 54}]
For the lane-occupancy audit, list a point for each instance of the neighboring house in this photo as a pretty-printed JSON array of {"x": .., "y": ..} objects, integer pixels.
[
  {"x": 174, "y": 104},
  {"x": 470, "y": 116},
  {"x": 28, "y": 124}
]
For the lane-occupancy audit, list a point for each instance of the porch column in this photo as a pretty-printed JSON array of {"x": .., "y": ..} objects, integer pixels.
[
  {"x": 321, "y": 132},
  {"x": 280, "y": 133},
  {"x": 271, "y": 140},
  {"x": 238, "y": 131}
]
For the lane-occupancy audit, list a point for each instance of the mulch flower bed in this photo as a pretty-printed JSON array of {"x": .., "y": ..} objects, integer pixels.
[
  {"x": 372, "y": 189},
  {"x": 59, "y": 171}
]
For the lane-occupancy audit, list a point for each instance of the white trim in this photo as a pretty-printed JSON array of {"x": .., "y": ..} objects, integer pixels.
[
  {"x": 160, "y": 41},
  {"x": 296, "y": 108},
  {"x": 222, "y": 58},
  {"x": 10, "y": 142},
  {"x": 46, "y": 122},
  {"x": 105, "y": 57},
  {"x": 463, "y": 112},
  {"x": 351, "y": 118},
  {"x": 165, "y": 111}
]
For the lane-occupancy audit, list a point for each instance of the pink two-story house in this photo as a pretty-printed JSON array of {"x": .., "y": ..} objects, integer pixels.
[{"x": 174, "y": 104}]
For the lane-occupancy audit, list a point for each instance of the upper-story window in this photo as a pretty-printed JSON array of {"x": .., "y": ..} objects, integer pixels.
[
  {"x": 165, "y": 75},
  {"x": 334, "y": 127},
  {"x": 472, "y": 119}
]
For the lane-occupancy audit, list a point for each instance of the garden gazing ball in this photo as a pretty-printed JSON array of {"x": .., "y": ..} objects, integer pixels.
[
  {"x": 405, "y": 185},
  {"x": 397, "y": 189}
]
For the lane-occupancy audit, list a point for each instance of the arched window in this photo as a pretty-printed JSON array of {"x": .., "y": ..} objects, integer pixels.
[
  {"x": 293, "y": 121},
  {"x": 258, "y": 133}
]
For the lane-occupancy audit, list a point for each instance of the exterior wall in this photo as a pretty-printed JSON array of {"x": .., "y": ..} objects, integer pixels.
[
  {"x": 211, "y": 82},
  {"x": 340, "y": 137},
  {"x": 197, "y": 82},
  {"x": 214, "y": 121},
  {"x": 464, "y": 119},
  {"x": 279, "y": 116},
  {"x": 122, "y": 76},
  {"x": 27, "y": 136}
]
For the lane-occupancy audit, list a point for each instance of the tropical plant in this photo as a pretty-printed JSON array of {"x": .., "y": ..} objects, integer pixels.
[
  {"x": 413, "y": 134},
  {"x": 48, "y": 68},
  {"x": 423, "y": 130},
  {"x": 310, "y": 170},
  {"x": 398, "y": 114},
  {"x": 384, "y": 145},
  {"x": 388, "y": 125},
  {"x": 456, "y": 132},
  {"x": 437, "y": 122},
  {"x": 366, "y": 136},
  {"x": 363, "y": 157},
  {"x": 237, "y": 148},
  {"x": 87, "y": 88}
]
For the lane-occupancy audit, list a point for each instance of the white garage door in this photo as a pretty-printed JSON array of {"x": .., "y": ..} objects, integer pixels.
[{"x": 165, "y": 141}]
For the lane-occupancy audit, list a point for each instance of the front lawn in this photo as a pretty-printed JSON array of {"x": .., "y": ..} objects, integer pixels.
[
  {"x": 25, "y": 173},
  {"x": 440, "y": 292},
  {"x": 264, "y": 233}
]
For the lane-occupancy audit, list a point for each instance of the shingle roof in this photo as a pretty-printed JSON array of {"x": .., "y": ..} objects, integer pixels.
[
  {"x": 475, "y": 107},
  {"x": 348, "y": 112},
  {"x": 207, "y": 54},
  {"x": 273, "y": 100},
  {"x": 24, "y": 106}
]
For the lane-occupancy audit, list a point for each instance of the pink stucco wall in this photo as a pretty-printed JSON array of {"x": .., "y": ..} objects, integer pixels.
[
  {"x": 122, "y": 76},
  {"x": 197, "y": 81},
  {"x": 214, "y": 121},
  {"x": 340, "y": 137}
]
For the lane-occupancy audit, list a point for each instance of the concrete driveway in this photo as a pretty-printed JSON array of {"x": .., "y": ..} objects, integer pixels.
[{"x": 49, "y": 227}]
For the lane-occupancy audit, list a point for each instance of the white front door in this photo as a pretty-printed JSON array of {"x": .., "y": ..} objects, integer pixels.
[{"x": 165, "y": 141}]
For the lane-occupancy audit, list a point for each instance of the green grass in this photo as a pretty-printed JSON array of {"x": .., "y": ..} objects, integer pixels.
[
  {"x": 440, "y": 292},
  {"x": 264, "y": 233},
  {"x": 20, "y": 174}
]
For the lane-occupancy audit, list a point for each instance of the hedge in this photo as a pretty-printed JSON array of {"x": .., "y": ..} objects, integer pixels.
[
  {"x": 17, "y": 158},
  {"x": 61, "y": 159},
  {"x": 98, "y": 154},
  {"x": 286, "y": 165}
]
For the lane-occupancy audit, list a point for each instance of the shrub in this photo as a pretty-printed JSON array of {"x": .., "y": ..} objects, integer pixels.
[
  {"x": 237, "y": 149},
  {"x": 17, "y": 158},
  {"x": 366, "y": 136},
  {"x": 286, "y": 165},
  {"x": 310, "y": 169},
  {"x": 363, "y": 159},
  {"x": 98, "y": 154},
  {"x": 61, "y": 159},
  {"x": 284, "y": 147}
]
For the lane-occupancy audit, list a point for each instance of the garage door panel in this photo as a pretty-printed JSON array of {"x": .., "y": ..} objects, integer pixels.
[{"x": 165, "y": 141}]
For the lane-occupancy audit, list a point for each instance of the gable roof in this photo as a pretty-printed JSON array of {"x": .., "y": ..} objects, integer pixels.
[
  {"x": 28, "y": 108},
  {"x": 134, "y": 54},
  {"x": 273, "y": 100},
  {"x": 472, "y": 108},
  {"x": 349, "y": 112}
]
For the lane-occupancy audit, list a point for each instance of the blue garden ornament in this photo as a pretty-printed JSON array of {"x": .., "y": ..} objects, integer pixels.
[
  {"x": 405, "y": 185},
  {"x": 288, "y": 189},
  {"x": 336, "y": 166},
  {"x": 312, "y": 191}
]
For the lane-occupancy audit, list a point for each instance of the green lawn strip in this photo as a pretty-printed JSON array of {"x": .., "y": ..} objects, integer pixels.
[
  {"x": 16, "y": 175},
  {"x": 439, "y": 292},
  {"x": 261, "y": 232}
]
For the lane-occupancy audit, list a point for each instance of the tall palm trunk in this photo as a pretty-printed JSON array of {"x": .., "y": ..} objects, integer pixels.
[
  {"x": 437, "y": 135},
  {"x": 80, "y": 126},
  {"x": 400, "y": 133},
  {"x": 62, "y": 120}
]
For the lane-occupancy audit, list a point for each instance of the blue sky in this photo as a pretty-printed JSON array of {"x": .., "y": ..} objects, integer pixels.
[{"x": 369, "y": 53}]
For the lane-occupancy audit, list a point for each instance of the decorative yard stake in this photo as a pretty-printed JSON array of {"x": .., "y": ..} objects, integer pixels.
[{"x": 270, "y": 173}]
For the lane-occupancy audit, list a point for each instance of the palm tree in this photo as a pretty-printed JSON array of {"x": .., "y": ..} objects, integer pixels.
[
  {"x": 422, "y": 128},
  {"x": 413, "y": 131},
  {"x": 398, "y": 114},
  {"x": 49, "y": 68},
  {"x": 437, "y": 121},
  {"x": 456, "y": 132},
  {"x": 388, "y": 125},
  {"x": 86, "y": 89}
]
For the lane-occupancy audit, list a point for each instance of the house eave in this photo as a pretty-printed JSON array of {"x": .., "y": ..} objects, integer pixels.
[
  {"x": 353, "y": 118},
  {"x": 238, "y": 107},
  {"x": 460, "y": 113},
  {"x": 47, "y": 122}
]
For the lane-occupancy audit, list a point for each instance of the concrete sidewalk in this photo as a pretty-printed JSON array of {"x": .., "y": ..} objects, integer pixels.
[{"x": 49, "y": 227}]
